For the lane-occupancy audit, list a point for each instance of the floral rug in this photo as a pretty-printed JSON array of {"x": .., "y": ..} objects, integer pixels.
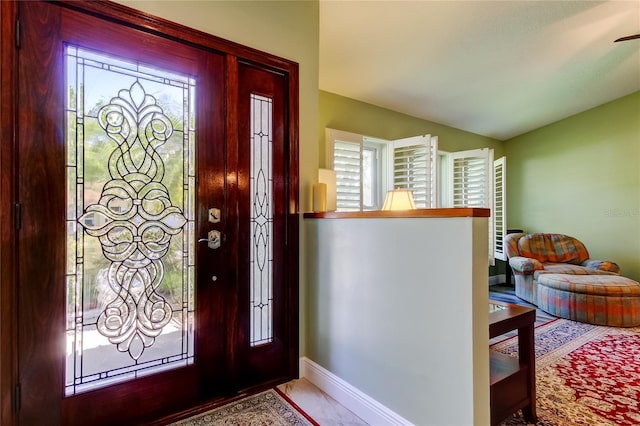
[
  {"x": 269, "y": 408},
  {"x": 585, "y": 374}
]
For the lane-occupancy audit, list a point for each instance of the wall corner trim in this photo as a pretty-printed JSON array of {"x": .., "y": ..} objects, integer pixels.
[{"x": 362, "y": 405}]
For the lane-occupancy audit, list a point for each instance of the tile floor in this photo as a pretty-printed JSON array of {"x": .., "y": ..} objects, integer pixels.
[{"x": 320, "y": 406}]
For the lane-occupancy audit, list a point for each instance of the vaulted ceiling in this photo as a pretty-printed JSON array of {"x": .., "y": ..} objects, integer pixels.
[{"x": 495, "y": 68}]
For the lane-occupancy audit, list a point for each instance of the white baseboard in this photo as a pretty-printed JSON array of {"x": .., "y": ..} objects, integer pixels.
[{"x": 362, "y": 405}]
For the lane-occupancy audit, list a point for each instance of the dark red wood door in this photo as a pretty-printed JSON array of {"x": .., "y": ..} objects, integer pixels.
[
  {"x": 263, "y": 335},
  {"x": 154, "y": 190}
]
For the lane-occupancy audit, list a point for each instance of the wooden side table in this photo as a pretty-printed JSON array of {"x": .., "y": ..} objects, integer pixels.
[{"x": 513, "y": 381}]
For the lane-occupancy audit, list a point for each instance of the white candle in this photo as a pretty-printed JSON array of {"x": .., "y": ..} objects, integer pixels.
[
  {"x": 319, "y": 197},
  {"x": 329, "y": 177}
]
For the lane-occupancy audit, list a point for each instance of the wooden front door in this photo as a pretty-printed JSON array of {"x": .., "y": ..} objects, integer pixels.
[{"x": 157, "y": 238}]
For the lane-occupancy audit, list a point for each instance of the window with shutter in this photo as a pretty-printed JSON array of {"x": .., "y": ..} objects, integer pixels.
[
  {"x": 437, "y": 179},
  {"x": 414, "y": 166},
  {"x": 475, "y": 180}
]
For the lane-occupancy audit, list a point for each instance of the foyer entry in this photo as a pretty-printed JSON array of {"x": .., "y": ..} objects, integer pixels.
[{"x": 156, "y": 203}]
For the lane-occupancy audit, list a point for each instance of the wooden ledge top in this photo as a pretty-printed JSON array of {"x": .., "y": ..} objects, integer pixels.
[{"x": 417, "y": 213}]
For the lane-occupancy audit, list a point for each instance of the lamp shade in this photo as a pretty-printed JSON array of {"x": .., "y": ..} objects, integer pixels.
[{"x": 399, "y": 199}]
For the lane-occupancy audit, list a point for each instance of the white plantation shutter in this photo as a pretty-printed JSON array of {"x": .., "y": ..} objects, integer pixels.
[
  {"x": 471, "y": 179},
  {"x": 347, "y": 166},
  {"x": 346, "y": 160},
  {"x": 413, "y": 165},
  {"x": 499, "y": 212}
]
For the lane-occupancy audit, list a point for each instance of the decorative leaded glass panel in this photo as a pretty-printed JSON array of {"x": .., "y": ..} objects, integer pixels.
[
  {"x": 130, "y": 220},
  {"x": 261, "y": 189}
]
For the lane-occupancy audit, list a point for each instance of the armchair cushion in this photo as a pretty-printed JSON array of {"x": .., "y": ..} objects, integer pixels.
[
  {"x": 555, "y": 248},
  {"x": 525, "y": 264},
  {"x": 570, "y": 269},
  {"x": 602, "y": 265}
]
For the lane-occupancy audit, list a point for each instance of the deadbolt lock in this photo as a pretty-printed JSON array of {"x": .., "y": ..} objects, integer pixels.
[{"x": 214, "y": 215}]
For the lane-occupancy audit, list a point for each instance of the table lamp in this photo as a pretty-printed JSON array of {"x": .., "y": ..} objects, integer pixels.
[{"x": 399, "y": 199}]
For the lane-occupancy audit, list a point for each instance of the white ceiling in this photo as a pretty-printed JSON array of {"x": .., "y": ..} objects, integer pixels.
[{"x": 495, "y": 68}]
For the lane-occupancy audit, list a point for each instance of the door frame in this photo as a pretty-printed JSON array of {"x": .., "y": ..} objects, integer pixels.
[{"x": 9, "y": 213}]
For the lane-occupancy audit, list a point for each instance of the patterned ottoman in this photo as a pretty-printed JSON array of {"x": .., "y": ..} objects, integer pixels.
[{"x": 596, "y": 299}]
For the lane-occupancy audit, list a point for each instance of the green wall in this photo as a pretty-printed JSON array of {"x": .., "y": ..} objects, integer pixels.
[
  {"x": 581, "y": 176},
  {"x": 341, "y": 113}
]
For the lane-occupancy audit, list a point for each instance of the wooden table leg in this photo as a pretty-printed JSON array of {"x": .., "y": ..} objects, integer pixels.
[{"x": 527, "y": 357}]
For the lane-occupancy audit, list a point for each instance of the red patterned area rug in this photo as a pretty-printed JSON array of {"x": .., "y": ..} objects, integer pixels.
[
  {"x": 585, "y": 374},
  {"x": 269, "y": 408}
]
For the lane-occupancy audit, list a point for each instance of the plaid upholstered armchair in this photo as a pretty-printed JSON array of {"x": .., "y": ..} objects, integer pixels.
[{"x": 531, "y": 255}]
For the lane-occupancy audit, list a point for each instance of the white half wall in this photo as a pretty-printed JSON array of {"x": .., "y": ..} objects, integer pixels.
[{"x": 398, "y": 308}]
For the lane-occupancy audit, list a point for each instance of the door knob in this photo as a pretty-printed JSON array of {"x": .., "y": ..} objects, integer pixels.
[{"x": 213, "y": 239}]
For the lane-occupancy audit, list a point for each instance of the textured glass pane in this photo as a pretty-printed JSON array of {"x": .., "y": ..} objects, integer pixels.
[
  {"x": 261, "y": 178},
  {"x": 130, "y": 221}
]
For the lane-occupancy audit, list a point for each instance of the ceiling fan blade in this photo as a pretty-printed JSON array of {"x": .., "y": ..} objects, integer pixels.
[{"x": 631, "y": 37}]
